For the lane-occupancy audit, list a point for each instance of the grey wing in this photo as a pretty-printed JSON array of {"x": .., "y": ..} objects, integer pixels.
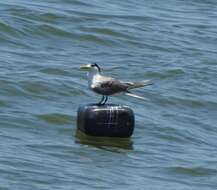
[{"x": 109, "y": 87}]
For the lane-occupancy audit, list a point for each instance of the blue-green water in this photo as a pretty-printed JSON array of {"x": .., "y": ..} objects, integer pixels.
[{"x": 42, "y": 44}]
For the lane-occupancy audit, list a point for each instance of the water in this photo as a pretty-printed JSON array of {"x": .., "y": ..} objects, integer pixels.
[{"x": 42, "y": 44}]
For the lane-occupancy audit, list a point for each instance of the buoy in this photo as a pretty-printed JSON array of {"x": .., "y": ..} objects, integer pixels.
[{"x": 109, "y": 120}]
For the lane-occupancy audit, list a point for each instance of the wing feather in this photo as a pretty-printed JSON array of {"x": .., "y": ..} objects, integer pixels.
[{"x": 109, "y": 86}]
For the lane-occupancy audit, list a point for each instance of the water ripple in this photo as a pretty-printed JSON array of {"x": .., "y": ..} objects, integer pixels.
[{"x": 43, "y": 43}]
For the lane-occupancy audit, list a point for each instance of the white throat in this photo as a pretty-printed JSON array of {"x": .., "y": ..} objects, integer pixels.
[{"x": 93, "y": 76}]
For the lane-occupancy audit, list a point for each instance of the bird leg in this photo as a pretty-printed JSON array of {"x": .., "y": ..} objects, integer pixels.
[
  {"x": 100, "y": 102},
  {"x": 105, "y": 100}
]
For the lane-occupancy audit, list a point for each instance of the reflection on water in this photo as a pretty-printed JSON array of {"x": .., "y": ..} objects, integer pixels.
[{"x": 108, "y": 143}]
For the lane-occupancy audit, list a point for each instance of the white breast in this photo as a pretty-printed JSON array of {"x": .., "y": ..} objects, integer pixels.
[{"x": 93, "y": 80}]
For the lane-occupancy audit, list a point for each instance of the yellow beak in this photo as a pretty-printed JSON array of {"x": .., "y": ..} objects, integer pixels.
[{"x": 85, "y": 67}]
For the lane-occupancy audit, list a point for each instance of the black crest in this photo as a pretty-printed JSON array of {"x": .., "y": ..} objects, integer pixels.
[{"x": 95, "y": 65}]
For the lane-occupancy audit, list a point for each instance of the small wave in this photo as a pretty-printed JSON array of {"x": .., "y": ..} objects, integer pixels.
[
  {"x": 55, "y": 71},
  {"x": 9, "y": 33},
  {"x": 49, "y": 17},
  {"x": 77, "y": 2},
  {"x": 7, "y": 28},
  {"x": 171, "y": 73},
  {"x": 11, "y": 88},
  {"x": 193, "y": 171},
  {"x": 53, "y": 30},
  {"x": 182, "y": 102},
  {"x": 3, "y": 104},
  {"x": 106, "y": 31},
  {"x": 56, "y": 118}
]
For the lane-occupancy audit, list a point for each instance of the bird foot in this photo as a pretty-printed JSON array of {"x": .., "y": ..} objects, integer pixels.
[{"x": 103, "y": 101}]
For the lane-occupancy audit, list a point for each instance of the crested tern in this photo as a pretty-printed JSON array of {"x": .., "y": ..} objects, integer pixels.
[{"x": 107, "y": 86}]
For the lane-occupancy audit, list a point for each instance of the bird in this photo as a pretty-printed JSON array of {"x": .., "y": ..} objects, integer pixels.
[{"x": 107, "y": 86}]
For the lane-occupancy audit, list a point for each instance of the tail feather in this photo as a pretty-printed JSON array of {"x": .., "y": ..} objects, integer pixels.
[
  {"x": 139, "y": 84},
  {"x": 135, "y": 96}
]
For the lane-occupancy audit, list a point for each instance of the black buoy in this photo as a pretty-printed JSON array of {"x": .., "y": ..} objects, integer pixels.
[{"x": 107, "y": 120}]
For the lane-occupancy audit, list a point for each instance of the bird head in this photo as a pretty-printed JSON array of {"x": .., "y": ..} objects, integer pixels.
[{"x": 91, "y": 67}]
